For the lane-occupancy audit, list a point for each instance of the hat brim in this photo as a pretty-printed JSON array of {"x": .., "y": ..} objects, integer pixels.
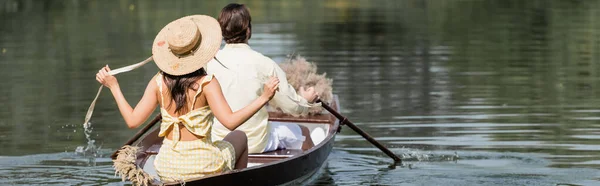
[{"x": 210, "y": 42}]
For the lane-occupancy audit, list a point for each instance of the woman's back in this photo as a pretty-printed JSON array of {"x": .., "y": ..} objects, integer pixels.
[
  {"x": 195, "y": 115},
  {"x": 186, "y": 126}
]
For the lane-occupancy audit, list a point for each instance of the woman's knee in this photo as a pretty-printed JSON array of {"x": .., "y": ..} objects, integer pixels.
[
  {"x": 240, "y": 135},
  {"x": 237, "y": 138}
]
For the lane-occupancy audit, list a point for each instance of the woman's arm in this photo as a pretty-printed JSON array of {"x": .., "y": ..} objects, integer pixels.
[
  {"x": 223, "y": 112},
  {"x": 133, "y": 117}
]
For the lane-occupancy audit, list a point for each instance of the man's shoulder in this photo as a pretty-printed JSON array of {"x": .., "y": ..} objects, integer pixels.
[{"x": 248, "y": 56}]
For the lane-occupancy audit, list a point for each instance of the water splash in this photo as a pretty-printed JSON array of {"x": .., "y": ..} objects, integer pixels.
[
  {"x": 90, "y": 151},
  {"x": 418, "y": 156}
]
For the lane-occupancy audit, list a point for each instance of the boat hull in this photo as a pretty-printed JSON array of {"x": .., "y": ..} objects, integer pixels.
[{"x": 289, "y": 171}]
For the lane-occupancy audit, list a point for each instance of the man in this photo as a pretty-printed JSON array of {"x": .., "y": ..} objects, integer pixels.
[{"x": 241, "y": 72}]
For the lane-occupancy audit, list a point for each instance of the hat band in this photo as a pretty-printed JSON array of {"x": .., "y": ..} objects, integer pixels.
[
  {"x": 188, "y": 52},
  {"x": 176, "y": 49}
]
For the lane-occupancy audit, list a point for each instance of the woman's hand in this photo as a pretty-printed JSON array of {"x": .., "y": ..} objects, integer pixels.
[
  {"x": 270, "y": 87},
  {"x": 309, "y": 94},
  {"x": 106, "y": 79}
]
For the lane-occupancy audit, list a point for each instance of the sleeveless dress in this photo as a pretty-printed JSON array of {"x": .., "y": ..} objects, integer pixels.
[{"x": 183, "y": 160}]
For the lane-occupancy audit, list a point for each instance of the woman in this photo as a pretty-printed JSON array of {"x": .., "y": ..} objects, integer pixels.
[{"x": 188, "y": 99}]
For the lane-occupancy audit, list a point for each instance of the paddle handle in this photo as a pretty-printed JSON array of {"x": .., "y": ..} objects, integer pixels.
[
  {"x": 139, "y": 134},
  {"x": 344, "y": 120}
]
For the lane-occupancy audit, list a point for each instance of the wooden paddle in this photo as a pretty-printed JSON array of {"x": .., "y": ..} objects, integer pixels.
[
  {"x": 139, "y": 134},
  {"x": 344, "y": 120}
]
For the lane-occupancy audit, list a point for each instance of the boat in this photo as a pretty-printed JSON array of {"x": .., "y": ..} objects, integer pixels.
[{"x": 281, "y": 167}]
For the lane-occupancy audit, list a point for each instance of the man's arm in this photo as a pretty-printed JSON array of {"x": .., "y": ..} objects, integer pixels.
[{"x": 286, "y": 98}]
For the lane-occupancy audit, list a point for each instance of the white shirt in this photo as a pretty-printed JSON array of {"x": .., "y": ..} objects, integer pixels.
[{"x": 242, "y": 73}]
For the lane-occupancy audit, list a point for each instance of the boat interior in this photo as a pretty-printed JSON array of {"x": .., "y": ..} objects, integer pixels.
[
  {"x": 322, "y": 127},
  {"x": 319, "y": 125},
  {"x": 318, "y": 134},
  {"x": 318, "y": 131}
]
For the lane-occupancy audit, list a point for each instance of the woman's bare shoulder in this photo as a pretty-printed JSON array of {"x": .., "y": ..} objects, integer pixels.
[
  {"x": 153, "y": 83},
  {"x": 212, "y": 84}
]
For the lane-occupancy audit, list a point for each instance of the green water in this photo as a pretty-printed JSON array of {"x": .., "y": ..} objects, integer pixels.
[{"x": 468, "y": 92}]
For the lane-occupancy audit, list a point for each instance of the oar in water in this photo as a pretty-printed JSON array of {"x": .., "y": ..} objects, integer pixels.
[
  {"x": 139, "y": 134},
  {"x": 344, "y": 120}
]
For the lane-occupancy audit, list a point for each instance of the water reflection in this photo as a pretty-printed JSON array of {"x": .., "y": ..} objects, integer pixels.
[{"x": 510, "y": 87}]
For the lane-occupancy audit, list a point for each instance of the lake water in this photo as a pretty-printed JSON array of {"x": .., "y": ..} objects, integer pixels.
[{"x": 503, "y": 92}]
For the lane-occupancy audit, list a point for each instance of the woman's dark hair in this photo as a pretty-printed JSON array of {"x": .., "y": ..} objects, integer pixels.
[
  {"x": 235, "y": 23},
  {"x": 179, "y": 85}
]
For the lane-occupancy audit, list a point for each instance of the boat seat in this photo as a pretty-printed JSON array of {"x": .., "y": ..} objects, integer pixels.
[{"x": 282, "y": 153}]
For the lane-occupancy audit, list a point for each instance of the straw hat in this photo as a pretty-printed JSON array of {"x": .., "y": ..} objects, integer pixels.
[{"x": 186, "y": 44}]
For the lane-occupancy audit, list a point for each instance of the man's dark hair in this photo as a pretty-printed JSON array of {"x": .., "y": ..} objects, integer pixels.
[{"x": 235, "y": 23}]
